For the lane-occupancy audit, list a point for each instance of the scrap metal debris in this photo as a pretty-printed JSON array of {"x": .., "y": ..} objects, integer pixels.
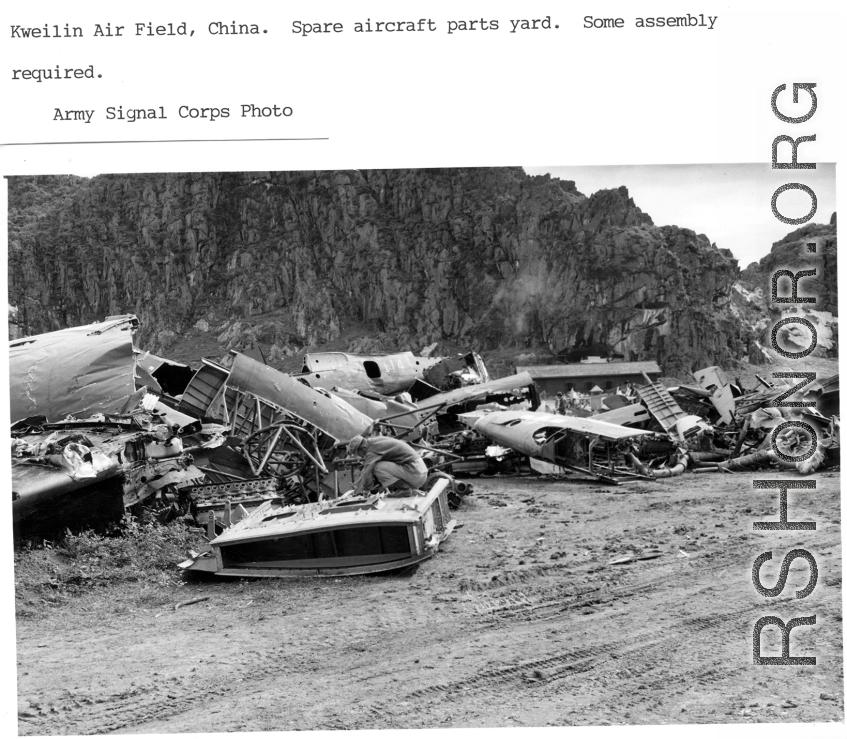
[
  {"x": 393, "y": 373},
  {"x": 100, "y": 428},
  {"x": 93, "y": 468},
  {"x": 715, "y": 426},
  {"x": 349, "y": 535},
  {"x": 80, "y": 371}
]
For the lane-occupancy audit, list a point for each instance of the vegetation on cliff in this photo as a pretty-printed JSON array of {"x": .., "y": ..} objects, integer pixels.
[{"x": 479, "y": 258}]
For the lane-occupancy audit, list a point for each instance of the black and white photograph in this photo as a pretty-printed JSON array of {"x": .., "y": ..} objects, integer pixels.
[
  {"x": 458, "y": 367},
  {"x": 424, "y": 448}
]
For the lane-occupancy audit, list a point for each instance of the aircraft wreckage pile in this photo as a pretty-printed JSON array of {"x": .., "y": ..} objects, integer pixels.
[{"x": 257, "y": 457}]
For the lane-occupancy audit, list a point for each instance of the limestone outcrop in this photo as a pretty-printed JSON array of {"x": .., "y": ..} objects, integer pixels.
[
  {"x": 813, "y": 246},
  {"x": 281, "y": 261}
]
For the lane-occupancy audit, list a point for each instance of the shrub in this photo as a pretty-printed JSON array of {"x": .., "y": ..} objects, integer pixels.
[
  {"x": 136, "y": 551},
  {"x": 136, "y": 554}
]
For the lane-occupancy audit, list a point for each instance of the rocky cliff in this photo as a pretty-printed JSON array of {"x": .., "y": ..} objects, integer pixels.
[
  {"x": 478, "y": 258},
  {"x": 813, "y": 246}
]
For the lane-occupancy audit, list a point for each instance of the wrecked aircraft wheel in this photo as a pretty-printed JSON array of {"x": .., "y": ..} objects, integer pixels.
[{"x": 283, "y": 449}]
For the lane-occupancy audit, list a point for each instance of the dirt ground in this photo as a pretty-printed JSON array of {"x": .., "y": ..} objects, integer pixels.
[{"x": 520, "y": 620}]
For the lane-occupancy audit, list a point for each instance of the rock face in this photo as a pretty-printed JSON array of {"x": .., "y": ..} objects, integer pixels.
[
  {"x": 793, "y": 252},
  {"x": 814, "y": 246},
  {"x": 483, "y": 258}
]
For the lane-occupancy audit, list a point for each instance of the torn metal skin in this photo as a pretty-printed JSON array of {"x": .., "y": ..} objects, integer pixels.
[
  {"x": 449, "y": 373},
  {"x": 79, "y": 371},
  {"x": 391, "y": 374},
  {"x": 510, "y": 390},
  {"x": 387, "y": 375},
  {"x": 282, "y": 428},
  {"x": 468, "y": 452},
  {"x": 400, "y": 418},
  {"x": 162, "y": 376},
  {"x": 75, "y": 472},
  {"x": 732, "y": 427},
  {"x": 582, "y": 444}
]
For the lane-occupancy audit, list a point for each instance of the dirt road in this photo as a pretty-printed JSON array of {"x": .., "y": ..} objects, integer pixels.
[{"x": 521, "y": 620}]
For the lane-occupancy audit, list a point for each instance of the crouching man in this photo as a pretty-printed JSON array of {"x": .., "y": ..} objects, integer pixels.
[{"x": 392, "y": 462}]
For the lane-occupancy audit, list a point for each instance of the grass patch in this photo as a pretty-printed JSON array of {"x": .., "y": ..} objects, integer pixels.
[{"x": 141, "y": 554}]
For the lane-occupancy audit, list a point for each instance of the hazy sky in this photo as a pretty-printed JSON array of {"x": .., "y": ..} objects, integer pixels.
[{"x": 729, "y": 203}]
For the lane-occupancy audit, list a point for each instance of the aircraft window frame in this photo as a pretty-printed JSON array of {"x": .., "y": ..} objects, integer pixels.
[
  {"x": 369, "y": 365},
  {"x": 556, "y": 435}
]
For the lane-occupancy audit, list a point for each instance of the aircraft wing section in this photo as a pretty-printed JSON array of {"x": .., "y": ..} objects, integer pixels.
[
  {"x": 530, "y": 423},
  {"x": 332, "y": 415},
  {"x": 474, "y": 392}
]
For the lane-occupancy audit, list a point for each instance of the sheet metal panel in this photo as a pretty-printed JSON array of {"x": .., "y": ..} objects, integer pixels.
[
  {"x": 202, "y": 390},
  {"x": 475, "y": 392},
  {"x": 385, "y": 374},
  {"x": 330, "y": 414},
  {"x": 152, "y": 363},
  {"x": 377, "y": 409},
  {"x": 515, "y": 429},
  {"x": 626, "y": 415},
  {"x": 661, "y": 404},
  {"x": 172, "y": 377},
  {"x": 81, "y": 371}
]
